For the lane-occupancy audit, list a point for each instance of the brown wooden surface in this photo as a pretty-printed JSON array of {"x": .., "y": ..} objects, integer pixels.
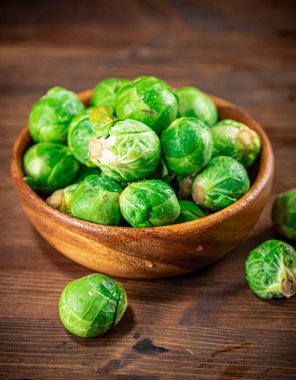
[{"x": 206, "y": 325}]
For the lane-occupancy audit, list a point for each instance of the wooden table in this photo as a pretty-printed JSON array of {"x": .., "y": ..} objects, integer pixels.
[{"x": 207, "y": 325}]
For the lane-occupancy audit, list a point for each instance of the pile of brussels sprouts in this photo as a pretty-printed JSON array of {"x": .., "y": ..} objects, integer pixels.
[{"x": 143, "y": 155}]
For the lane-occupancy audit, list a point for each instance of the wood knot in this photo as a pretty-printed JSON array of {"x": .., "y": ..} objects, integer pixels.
[
  {"x": 149, "y": 264},
  {"x": 199, "y": 248}
]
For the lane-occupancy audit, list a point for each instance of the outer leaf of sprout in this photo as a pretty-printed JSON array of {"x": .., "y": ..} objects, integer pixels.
[
  {"x": 220, "y": 184},
  {"x": 189, "y": 211},
  {"x": 92, "y": 305},
  {"x": 195, "y": 103},
  {"x": 187, "y": 145},
  {"x": 93, "y": 122},
  {"x": 149, "y": 203},
  {"x": 49, "y": 166},
  {"x": 271, "y": 270},
  {"x": 236, "y": 140},
  {"x": 284, "y": 214},
  {"x": 105, "y": 92},
  {"x": 96, "y": 199},
  {"x": 149, "y": 100},
  {"x": 130, "y": 152},
  {"x": 50, "y": 117}
]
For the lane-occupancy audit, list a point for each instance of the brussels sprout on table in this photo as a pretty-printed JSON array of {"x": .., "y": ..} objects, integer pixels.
[
  {"x": 85, "y": 126},
  {"x": 195, "y": 103},
  {"x": 129, "y": 151},
  {"x": 149, "y": 100},
  {"x": 189, "y": 211},
  {"x": 96, "y": 199},
  {"x": 92, "y": 305},
  {"x": 220, "y": 184},
  {"x": 105, "y": 92},
  {"x": 149, "y": 203},
  {"x": 271, "y": 270},
  {"x": 284, "y": 214},
  {"x": 187, "y": 145},
  {"x": 234, "y": 139},
  {"x": 49, "y": 166},
  {"x": 51, "y": 116}
]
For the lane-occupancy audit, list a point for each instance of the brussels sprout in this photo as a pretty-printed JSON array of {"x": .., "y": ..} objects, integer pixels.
[
  {"x": 162, "y": 172},
  {"x": 96, "y": 199},
  {"x": 51, "y": 116},
  {"x": 189, "y": 211},
  {"x": 185, "y": 186},
  {"x": 130, "y": 151},
  {"x": 271, "y": 270},
  {"x": 92, "y": 305},
  {"x": 284, "y": 214},
  {"x": 220, "y": 184},
  {"x": 149, "y": 100},
  {"x": 149, "y": 203},
  {"x": 187, "y": 145},
  {"x": 105, "y": 92},
  {"x": 62, "y": 199},
  {"x": 90, "y": 123},
  {"x": 49, "y": 166},
  {"x": 234, "y": 139},
  {"x": 29, "y": 181},
  {"x": 195, "y": 103}
]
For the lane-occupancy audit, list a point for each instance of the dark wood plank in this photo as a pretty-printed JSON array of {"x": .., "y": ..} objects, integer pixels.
[{"x": 207, "y": 325}]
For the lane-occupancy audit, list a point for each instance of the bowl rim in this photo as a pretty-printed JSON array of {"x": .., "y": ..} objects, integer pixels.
[{"x": 266, "y": 166}]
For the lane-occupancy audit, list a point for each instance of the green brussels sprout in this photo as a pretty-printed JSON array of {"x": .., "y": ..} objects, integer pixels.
[
  {"x": 96, "y": 199},
  {"x": 149, "y": 100},
  {"x": 185, "y": 186},
  {"x": 162, "y": 172},
  {"x": 187, "y": 145},
  {"x": 236, "y": 140},
  {"x": 89, "y": 124},
  {"x": 105, "y": 92},
  {"x": 149, "y": 203},
  {"x": 49, "y": 166},
  {"x": 129, "y": 151},
  {"x": 92, "y": 305},
  {"x": 30, "y": 181},
  {"x": 62, "y": 199},
  {"x": 220, "y": 184},
  {"x": 195, "y": 103},
  {"x": 50, "y": 117},
  {"x": 189, "y": 211},
  {"x": 284, "y": 214},
  {"x": 271, "y": 270}
]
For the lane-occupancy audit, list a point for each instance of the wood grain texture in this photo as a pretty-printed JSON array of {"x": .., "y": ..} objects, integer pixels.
[
  {"x": 209, "y": 322},
  {"x": 145, "y": 253}
]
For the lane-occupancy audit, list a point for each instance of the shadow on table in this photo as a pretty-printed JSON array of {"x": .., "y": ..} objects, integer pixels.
[
  {"x": 59, "y": 260},
  {"x": 227, "y": 274}
]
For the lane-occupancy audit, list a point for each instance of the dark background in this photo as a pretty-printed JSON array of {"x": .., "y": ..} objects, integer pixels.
[{"x": 206, "y": 325}]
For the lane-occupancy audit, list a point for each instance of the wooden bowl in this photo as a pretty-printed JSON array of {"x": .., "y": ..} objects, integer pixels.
[{"x": 149, "y": 252}]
